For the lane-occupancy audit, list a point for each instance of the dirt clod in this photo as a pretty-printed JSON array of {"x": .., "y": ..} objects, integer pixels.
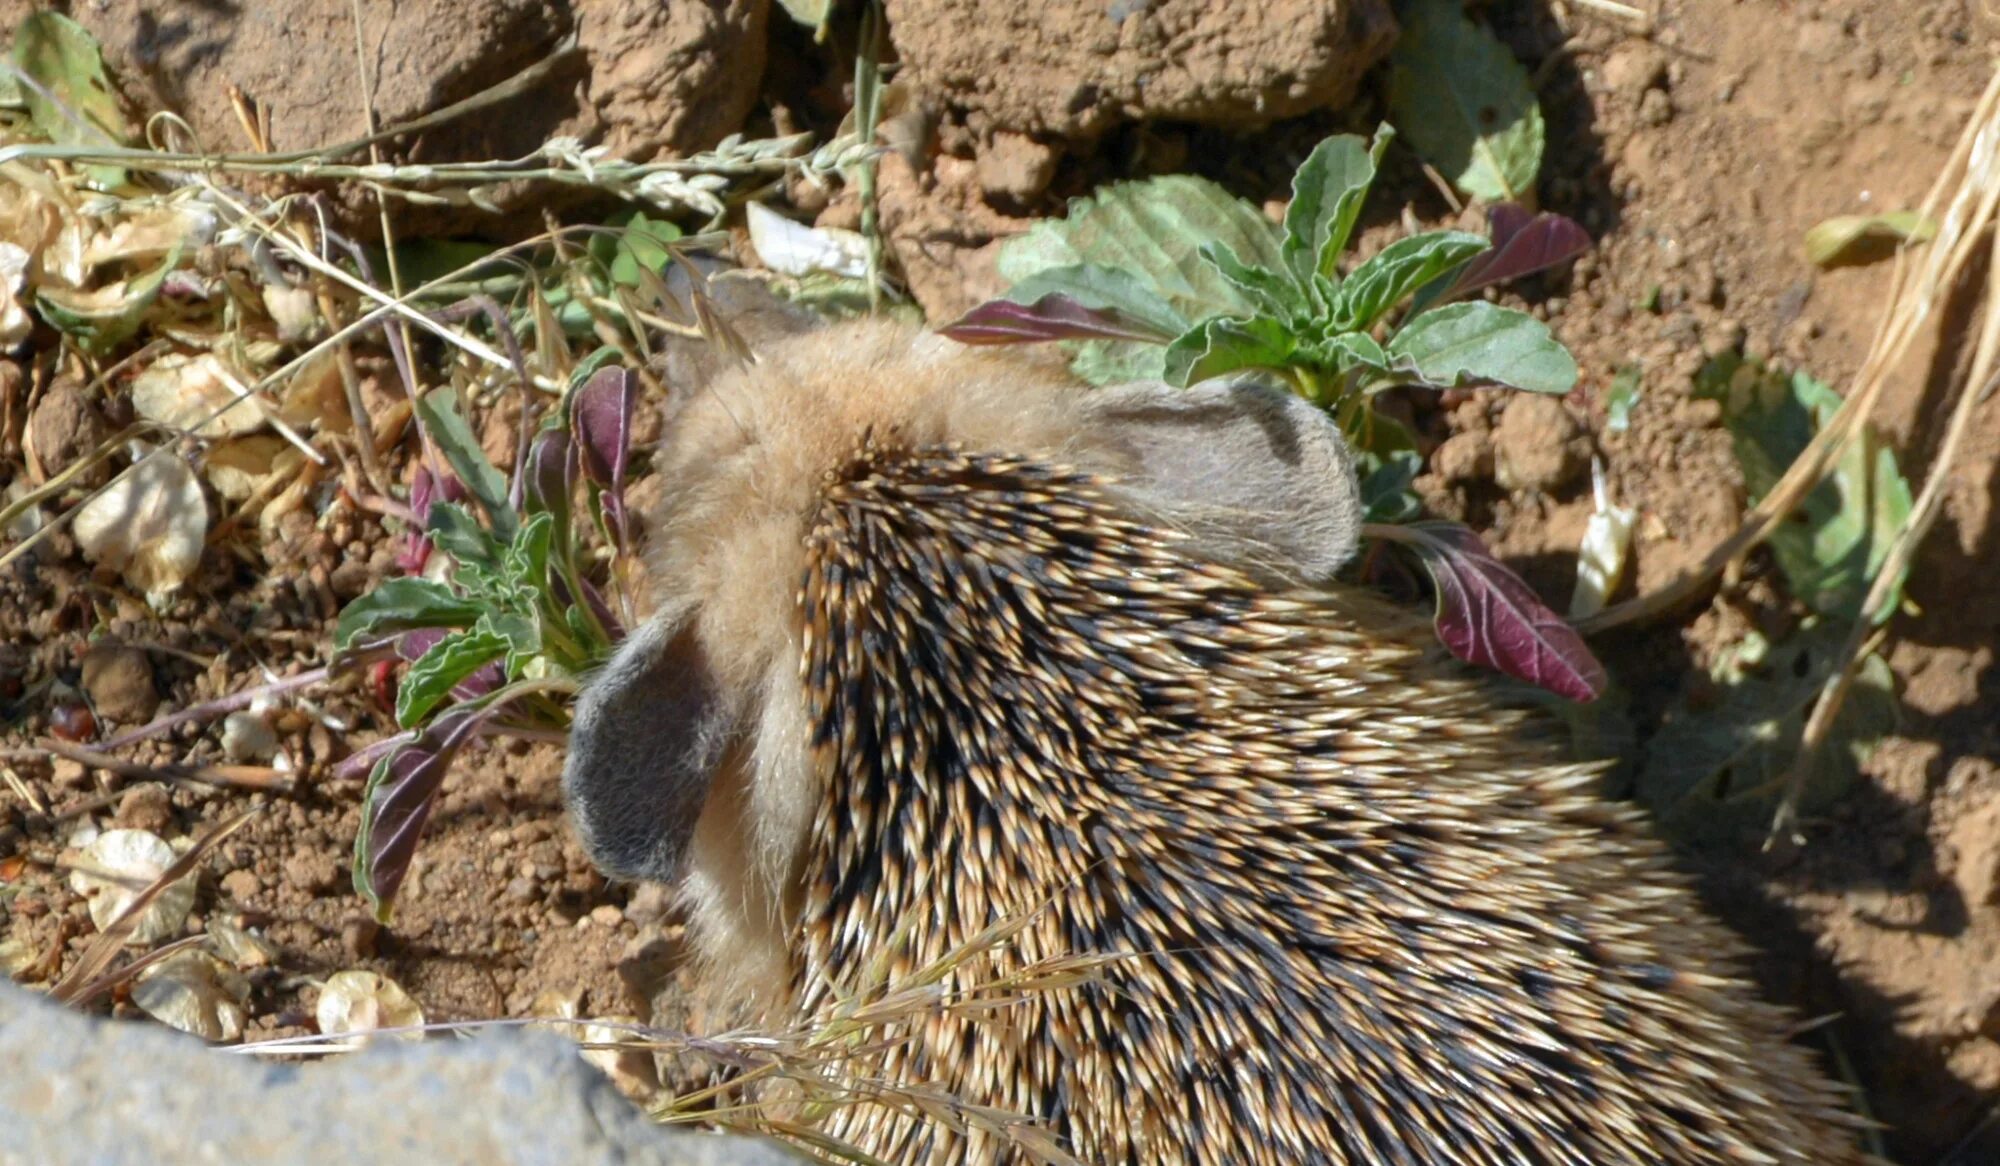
[
  {"x": 1538, "y": 445},
  {"x": 65, "y": 426},
  {"x": 119, "y": 682},
  {"x": 145, "y": 807}
]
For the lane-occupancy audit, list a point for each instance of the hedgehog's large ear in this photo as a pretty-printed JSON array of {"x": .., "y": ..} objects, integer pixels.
[
  {"x": 648, "y": 736},
  {"x": 1255, "y": 470}
]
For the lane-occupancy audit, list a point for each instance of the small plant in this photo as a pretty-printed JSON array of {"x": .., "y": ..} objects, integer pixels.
[
  {"x": 1175, "y": 278},
  {"x": 497, "y": 637}
]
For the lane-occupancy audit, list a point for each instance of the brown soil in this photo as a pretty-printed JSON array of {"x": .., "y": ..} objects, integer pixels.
[{"x": 1697, "y": 157}]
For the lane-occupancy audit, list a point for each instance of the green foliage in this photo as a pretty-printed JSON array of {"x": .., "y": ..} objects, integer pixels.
[
  {"x": 69, "y": 98},
  {"x": 1832, "y": 553},
  {"x": 1175, "y": 278},
  {"x": 511, "y": 623},
  {"x": 1719, "y": 762},
  {"x": 1467, "y": 102}
]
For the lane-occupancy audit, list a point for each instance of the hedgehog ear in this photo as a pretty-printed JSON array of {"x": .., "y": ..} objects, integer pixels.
[
  {"x": 1244, "y": 463},
  {"x": 648, "y": 737}
]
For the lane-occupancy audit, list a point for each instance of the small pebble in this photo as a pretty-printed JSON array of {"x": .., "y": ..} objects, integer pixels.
[
  {"x": 358, "y": 934},
  {"x": 607, "y": 915},
  {"x": 119, "y": 682},
  {"x": 241, "y": 885},
  {"x": 145, "y": 807}
]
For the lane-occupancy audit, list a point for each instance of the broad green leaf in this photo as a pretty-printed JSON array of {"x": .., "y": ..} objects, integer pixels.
[
  {"x": 1398, "y": 270},
  {"x": 1479, "y": 342},
  {"x": 1096, "y": 286},
  {"x": 527, "y": 560},
  {"x": 1351, "y": 350},
  {"x": 1856, "y": 239},
  {"x": 432, "y": 677},
  {"x": 1153, "y": 230},
  {"x": 69, "y": 97},
  {"x": 102, "y": 318},
  {"x": 1721, "y": 757},
  {"x": 1831, "y": 557},
  {"x": 1465, "y": 102},
  {"x": 642, "y": 244},
  {"x": 439, "y": 411},
  {"x": 1100, "y": 362},
  {"x": 1226, "y": 344},
  {"x": 1270, "y": 292},
  {"x": 1327, "y": 193},
  {"x": 400, "y": 604}
]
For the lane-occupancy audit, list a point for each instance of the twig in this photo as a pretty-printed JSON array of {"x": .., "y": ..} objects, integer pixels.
[
  {"x": 262, "y": 778},
  {"x": 208, "y": 710}
]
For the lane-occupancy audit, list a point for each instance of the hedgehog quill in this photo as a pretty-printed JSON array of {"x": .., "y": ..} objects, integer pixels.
[{"x": 942, "y": 639}]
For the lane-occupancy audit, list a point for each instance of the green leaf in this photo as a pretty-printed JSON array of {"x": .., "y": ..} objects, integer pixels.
[
  {"x": 1465, "y": 102},
  {"x": 1096, "y": 286},
  {"x": 1620, "y": 398},
  {"x": 1226, "y": 344},
  {"x": 642, "y": 244},
  {"x": 1153, "y": 231},
  {"x": 1327, "y": 193},
  {"x": 1351, "y": 350},
  {"x": 71, "y": 100},
  {"x": 1481, "y": 342},
  {"x": 1398, "y": 270},
  {"x": 401, "y": 604},
  {"x": 1857, "y": 239},
  {"x": 1720, "y": 759},
  {"x": 434, "y": 674},
  {"x": 1831, "y": 557},
  {"x": 439, "y": 411},
  {"x": 103, "y": 318},
  {"x": 1387, "y": 462},
  {"x": 1271, "y": 293},
  {"x": 527, "y": 560}
]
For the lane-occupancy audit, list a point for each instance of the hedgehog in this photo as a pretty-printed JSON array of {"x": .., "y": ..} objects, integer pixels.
[{"x": 943, "y": 639}]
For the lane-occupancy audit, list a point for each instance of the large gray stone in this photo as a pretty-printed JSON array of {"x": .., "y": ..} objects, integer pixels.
[{"x": 76, "y": 1090}]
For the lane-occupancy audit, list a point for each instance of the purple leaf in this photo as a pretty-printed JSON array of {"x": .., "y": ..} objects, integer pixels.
[
  {"x": 1487, "y": 616},
  {"x": 413, "y": 550},
  {"x": 1522, "y": 245},
  {"x": 401, "y": 791},
  {"x": 551, "y": 475},
  {"x": 412, "y": 645},
  {"x": 361, "y": 760},
  {"x": 613, "y": 630},
  {"x": 600, "y": 415},
  {"x": 1053, "y": 317}
]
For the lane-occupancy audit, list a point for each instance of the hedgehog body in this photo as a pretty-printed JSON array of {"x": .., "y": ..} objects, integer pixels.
[{"x": 944, "y": 642}]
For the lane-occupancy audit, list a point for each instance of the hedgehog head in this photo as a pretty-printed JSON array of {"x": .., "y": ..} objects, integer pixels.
[{"x": 688, "y": 760}]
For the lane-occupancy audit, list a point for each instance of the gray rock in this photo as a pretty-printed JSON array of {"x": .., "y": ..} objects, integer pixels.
[{"x": 77, "y": 1090}]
